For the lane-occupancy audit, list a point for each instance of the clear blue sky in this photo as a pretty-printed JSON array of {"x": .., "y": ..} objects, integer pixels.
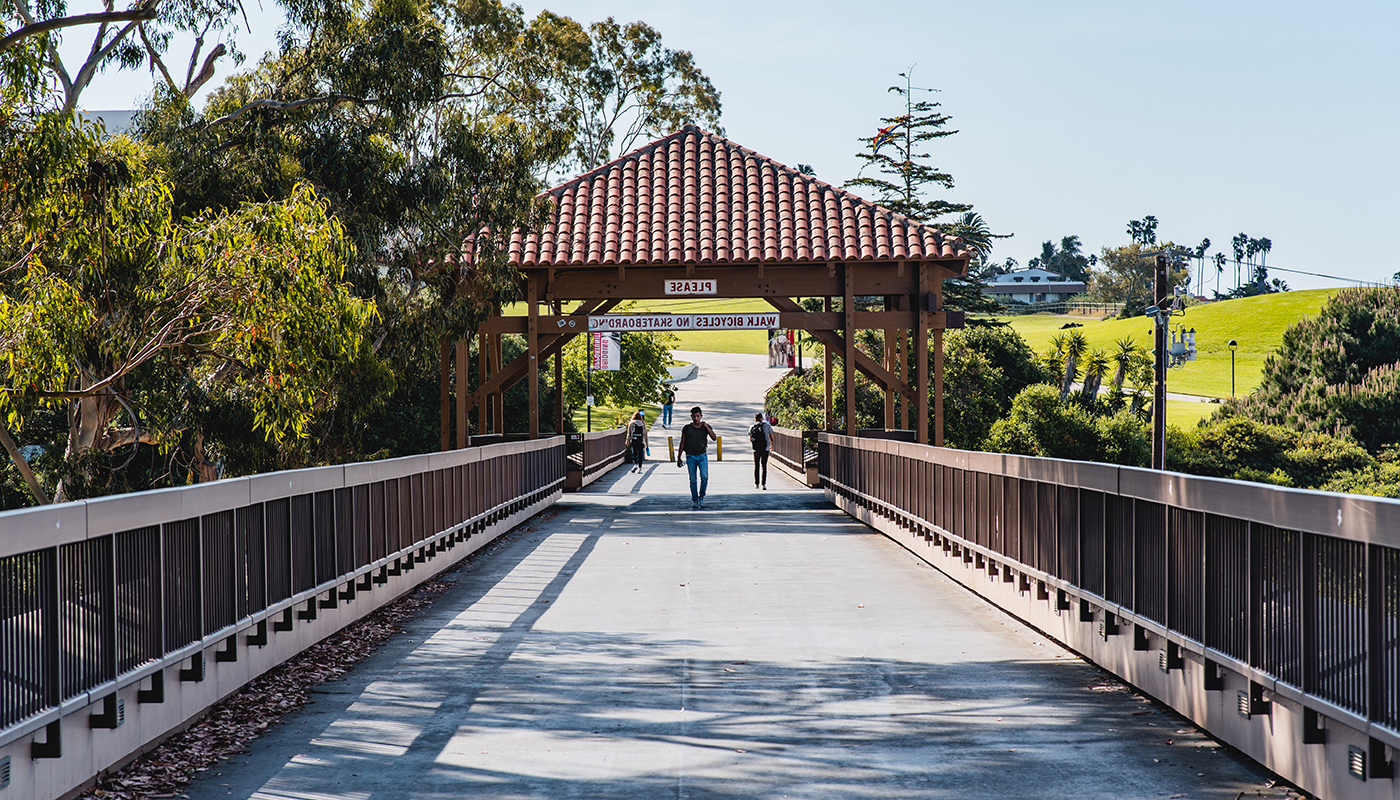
[{"x": 1274, "y": 119}]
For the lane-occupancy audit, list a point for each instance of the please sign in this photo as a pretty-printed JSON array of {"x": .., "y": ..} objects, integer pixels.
[{"x": 690, "y": 286}]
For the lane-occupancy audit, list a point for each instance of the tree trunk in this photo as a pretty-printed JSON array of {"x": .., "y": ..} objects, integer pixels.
[{"x": 88, "y": 417}]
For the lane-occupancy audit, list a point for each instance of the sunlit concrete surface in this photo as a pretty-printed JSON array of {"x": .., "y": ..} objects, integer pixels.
[{"x": 766, "y": 646}]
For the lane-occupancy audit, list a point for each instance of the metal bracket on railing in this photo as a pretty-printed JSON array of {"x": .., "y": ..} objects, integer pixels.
[
  {"x": 1377, "y": 765},
  {"x": 1314, "y": 729},
  {"x": 258, "y": 639},
  {"x": 308, "y": 613},
  {"x": 52, "y": 746},
  {"x": 1215, "y": 676},
  {"x": 1140, "y": 639},
  {"x": 229, "y": 652},
  {"x": 196, "y": 671},
  {"x": 113, "y": 713},
  {"x": 1108, "y": 626},
  {"x": 349, "y": 592},
  {"x": 285, "y": 623},
  {"x": 329, "y": 601},
  {"x": 1170, "y": 658},
  {"x": 155, "y": 694},
  {"x": 1086, "y": 611}
]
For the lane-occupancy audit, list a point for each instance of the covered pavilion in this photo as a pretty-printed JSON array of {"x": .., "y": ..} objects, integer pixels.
[{"x": 695, "y": 208}]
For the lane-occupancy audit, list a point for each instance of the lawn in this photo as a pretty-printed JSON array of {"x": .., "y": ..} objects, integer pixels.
[{"x": 1256, "y": 323}]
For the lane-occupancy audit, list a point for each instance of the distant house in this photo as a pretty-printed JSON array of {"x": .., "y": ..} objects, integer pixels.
[{"x": 1032, "y": 285}]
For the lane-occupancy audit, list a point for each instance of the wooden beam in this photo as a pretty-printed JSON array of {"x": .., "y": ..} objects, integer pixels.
[
  {"x": 532, "y": 348},
  {"x": 826, "y": 363},
  {"x": 463, "y": 386},
  {"x": 502, "y": 378},
  {"x": 849, "y": 307},
  {"x": 794, "y": 320},
  {"x": 921, "y": 354},
  {"x": 864, "y": 363},
  {"x": 732, "y": 281}
]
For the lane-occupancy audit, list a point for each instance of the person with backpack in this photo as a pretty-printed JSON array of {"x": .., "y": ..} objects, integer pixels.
[
  {"x": 637, "y": 440},
  {"x": 668, "y": 398},
  {"x": 693, "y": 454},
  {"x": 761, "y": 437}
]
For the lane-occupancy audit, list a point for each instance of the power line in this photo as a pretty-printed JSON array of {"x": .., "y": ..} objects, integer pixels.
[{"x": 1209, "y": 262}]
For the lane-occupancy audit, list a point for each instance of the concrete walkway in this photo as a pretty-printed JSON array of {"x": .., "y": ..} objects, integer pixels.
[{"x": 623, "y": 646}]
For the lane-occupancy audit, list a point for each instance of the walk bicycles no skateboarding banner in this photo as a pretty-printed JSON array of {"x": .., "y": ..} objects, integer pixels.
[{"x": 682, "y": 322}]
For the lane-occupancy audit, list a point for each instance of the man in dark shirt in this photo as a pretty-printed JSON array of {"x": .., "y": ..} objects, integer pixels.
[{"x": 694, "y": 444}]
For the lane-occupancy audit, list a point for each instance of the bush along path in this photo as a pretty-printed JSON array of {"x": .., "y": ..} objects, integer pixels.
[{"x": 267, "y": 700}]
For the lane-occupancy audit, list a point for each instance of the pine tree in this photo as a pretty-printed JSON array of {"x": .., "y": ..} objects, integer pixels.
[{"x": 896, "y": 151}]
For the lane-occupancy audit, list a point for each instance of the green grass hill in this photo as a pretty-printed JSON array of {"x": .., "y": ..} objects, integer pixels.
[{"x": 1256, "y": 323}]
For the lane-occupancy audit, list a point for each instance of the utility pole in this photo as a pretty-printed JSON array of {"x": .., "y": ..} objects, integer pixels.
[{"x": 1159, "y": 397}]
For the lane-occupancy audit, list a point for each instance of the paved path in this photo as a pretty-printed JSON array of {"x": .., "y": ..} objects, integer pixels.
[{"x": 623, "y": 646}]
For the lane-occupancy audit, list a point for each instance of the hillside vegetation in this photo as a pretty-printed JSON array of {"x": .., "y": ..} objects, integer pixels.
[{"x": 1256, "y": 323}]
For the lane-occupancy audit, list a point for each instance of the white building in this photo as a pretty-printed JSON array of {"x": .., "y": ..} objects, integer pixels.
[{"x": 1033, "y": 285}]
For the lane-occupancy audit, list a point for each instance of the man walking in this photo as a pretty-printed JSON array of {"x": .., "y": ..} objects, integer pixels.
[
  {"x": 694, "y": 444},
  {"x": 761, "y": 437},
  {"x": 668, "y": 398}
]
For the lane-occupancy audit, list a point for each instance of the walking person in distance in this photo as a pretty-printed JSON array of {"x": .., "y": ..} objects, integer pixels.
[
  {"x": 637, "y": 440},
  {"x": 668, "y": 399},
  {"x": 761, "y": 437},
  {"x": 694, "y": 444}
]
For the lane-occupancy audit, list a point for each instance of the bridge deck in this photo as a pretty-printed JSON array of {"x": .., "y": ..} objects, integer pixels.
[{"x": 767, "y": 646}]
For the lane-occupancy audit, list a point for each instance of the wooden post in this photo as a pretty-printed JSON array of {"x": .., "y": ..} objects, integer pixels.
[
  {"x": 901, "y": 358},
  {"x": 483, "y": 345},
  {"x": 464, "y": 354},
  {"x": 559, "y": 383},
  {"x": 444, "y": 391},
  {"x": 532, "y": 341},
  {"x": 498, "y": 410},
  {"x": 889, "y": 365},
  {"x": 937, "y": 288},
  {"x": 849, "y": 308},
  {"x": 826, "y": 361},
  {"x": 921, "y": 354}
]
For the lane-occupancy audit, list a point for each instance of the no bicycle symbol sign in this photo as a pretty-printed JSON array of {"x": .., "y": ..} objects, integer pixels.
[{"x": 683, "y": 322}]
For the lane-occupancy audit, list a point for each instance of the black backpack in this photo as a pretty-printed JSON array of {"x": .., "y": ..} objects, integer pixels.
[{"x": 756, "y": 437}]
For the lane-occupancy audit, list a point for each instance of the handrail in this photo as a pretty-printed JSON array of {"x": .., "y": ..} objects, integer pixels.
[
  {"x": 1286, "y": 595},
  {"x": 597, "y": 453},
  {"x": 99, "y": 596}
]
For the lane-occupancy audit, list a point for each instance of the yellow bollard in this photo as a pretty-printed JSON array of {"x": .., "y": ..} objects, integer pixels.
[
  {"x": 671, "y": 447},
  {"x": 719, "y": 448}
]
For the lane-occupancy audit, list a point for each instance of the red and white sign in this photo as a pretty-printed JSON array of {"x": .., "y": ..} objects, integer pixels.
[
  {"x": 691, "y": 287},
  {"x": 683, "y": 322},
  {"x": 607, "y": 351}
]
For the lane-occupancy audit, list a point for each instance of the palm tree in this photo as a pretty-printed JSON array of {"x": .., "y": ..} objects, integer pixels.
[
  {"x": 1094, "y": 367},
  {"x": 1075, "y": 345},
  {"x": 1219, "y": 268}
]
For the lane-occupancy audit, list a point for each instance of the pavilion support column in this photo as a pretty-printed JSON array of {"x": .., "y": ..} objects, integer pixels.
[
  {"x": 445, "y": 391},
  {"x": 901, "y": 355},
  {"x": 921, "y": 353},
  {"x": 498, "y": 410},
  {"x": 849, "y": 308},
  {"x": 938, "y": 364},
  {"x": 464, "y": 354},
  {"x": 532, "y": 347},
  {"x": 482, "y": 346},
  {"x": 889, "y": 365},
  {"x": 559, "y": 382},
  {"x": 826, "y": 373}
]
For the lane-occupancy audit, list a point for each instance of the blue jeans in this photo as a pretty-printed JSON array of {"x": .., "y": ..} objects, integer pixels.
[
  {"x": 702, "y": 464},
  {"x": 666, "y": 414}
]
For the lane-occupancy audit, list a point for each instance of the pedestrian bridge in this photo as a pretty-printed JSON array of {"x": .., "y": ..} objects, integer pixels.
[{"x": 927, "y": 623}]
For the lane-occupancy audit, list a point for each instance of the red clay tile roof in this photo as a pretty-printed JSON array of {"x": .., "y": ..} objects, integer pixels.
[{"x": 696, "y": 198}]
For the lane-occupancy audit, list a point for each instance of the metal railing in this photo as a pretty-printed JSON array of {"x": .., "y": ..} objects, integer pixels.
[
  {"x": 1297, "y": 592},
  {"x": 594, "y": 454},
  {"x": 101, "y": 594},
  {"x": 1063, "y": 307}
]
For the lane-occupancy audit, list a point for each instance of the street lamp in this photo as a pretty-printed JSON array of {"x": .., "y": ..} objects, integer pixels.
[{"x": 1233, "y": 345}]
